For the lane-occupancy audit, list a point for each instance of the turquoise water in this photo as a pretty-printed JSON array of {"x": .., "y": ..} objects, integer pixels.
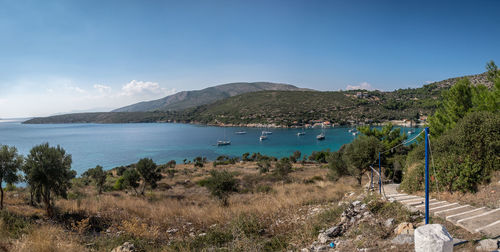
[{"x": 112, "y": 145}]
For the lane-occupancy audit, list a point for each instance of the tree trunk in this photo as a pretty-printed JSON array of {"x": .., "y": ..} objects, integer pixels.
[
  {"x": 359, "y": 178},
  {"x": 46, "y": 201},
  {"x": 1, "y": 199}
]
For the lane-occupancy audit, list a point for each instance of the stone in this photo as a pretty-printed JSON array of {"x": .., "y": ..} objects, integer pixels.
[
  {"x": 321, "y": 248},
  {"x": 433, "y": 237},
  {"x": 389, "y": 222},
  {"x": 304, "y": 250},
  {"x": 323, "y": 238},
  {"x": 487, "y": 245},
  {"x": 125, "y": 247},
  {"x": 403, "y": 239},
  {"x": 356, "y": 203},
  {"x": 404, "y": 228},
  {"x": 333, "y": 231}
]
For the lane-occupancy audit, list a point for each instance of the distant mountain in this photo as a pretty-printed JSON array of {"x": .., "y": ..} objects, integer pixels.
[
  {"x": 189, "y": 99},
  {"x": 277, "y": 104}
]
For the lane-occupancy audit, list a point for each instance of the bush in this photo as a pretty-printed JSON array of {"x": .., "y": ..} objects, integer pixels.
[
  {"x": 199, "y": 161},
  {"x": 220, "y": 184},
  {"x": 319, "y": 156},
  {"x": 336, "y": 164},
  {"x": 295, "y": 156},
  {"x": 283, "y": 168},
  {"x": 264, "y": 166},
  {"x": 150, "y": 173},
  {"x": 465, "y": 156},
  {"x": 171, "y": 164}
]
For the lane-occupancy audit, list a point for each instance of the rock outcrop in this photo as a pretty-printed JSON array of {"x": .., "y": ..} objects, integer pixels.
[{"x": 433, "y": 237}]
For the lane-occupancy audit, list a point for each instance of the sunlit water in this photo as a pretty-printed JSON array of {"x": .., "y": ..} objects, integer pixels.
[{"x": 112, "y": 145}]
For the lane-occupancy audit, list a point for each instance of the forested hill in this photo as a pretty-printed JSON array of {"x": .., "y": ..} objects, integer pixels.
[
  {"x": 290, "y": 108},
  {"x": 189, "y": 99}
]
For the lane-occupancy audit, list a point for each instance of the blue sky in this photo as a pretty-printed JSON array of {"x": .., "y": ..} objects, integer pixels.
[{"x": 62, "y": 56}]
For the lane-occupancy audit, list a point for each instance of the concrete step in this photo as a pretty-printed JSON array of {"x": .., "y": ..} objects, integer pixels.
[
  {"x": 460, "y": 216},
  {"x": 432, "y": 205},
  {"x": 453, "y": 211},
  {"x": 490, "y": 230},
  {"x": 434, "y": 209},
  {"x": 420, "y": 203},
  {"x": 479, "y": 221}
]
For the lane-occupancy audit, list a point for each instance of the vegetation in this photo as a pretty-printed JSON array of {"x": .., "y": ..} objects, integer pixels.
[
  {"x": 149, "y": 172},
  {"x": 221, "y": 184},
  {"x": 10, "y": 164},
  {"x": 466, "y": 139},
  {"x": 98, "y": 175},
  {"x": 48, "y": 173},
  {"x": 283, "y": 167},
  {"x": 130, "y": 179}
]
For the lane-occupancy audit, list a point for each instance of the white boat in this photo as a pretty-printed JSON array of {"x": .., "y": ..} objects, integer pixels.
[
  {"x": 240, "y": 132},
  {"x": 354, "y": 133},
  {"x": 301, "y": 133},
  {"x": 263, "y": 137},
  {"x": 221, "y": 143},
  {"x": 320, "y": 136},
  {"x": 266, "y": 132},
  {"x": 225, "y": 141}
]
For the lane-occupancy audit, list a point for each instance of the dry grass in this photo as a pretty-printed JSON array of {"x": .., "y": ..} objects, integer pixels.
[
  {"x": 151, "y": 216},
  {"x": 48, "y": 238},
  {"x": 279, "y": 217}
]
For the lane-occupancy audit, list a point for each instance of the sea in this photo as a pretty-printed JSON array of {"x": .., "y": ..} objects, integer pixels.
[{"x": 112, "y": 145}]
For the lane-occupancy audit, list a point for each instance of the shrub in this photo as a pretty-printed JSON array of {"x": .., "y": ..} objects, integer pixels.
[
  {"x": 131, "y": 180},
  {"x": 221, "y": 184},
  {"x": 264, "y": 166},
  {"x": 283, "y": 167},
  {"x": 150, "y": 173},
  {"x": 465, "y": 156},
  {"x": 171, "y": 164},
  {"x": 98, "y": 175},
  {"x": 337, "y": 167},
  {"x": 295, "y": 156},
  {"x": 199, "y": 161},
  {"x": 319, "y": 156}
]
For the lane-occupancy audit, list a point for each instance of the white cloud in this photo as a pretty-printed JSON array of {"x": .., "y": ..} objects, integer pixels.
[
  {"x": 102, "y": 88},
  {"x": 364, "y": 85},
  {"x": 142, "y": 87},
  {"x": 429, "y": 82},
  {"x": 75, "y": 89},
  {"x": 64, "y": 96}
]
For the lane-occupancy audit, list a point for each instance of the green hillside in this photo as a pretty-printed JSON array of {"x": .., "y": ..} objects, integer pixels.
[
  {"x": 287, "y": 108},
  {"x": 189, "y": 99}
]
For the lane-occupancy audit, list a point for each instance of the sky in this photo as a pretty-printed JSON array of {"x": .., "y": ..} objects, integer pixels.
[{"x": 74, "y": 56}]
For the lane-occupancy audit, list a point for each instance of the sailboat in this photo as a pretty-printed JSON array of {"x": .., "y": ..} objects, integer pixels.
[
  {"x": 225, "y": 141},
  {"x": 301, "y": 133},
  {"x": 263, "y": 137},
  {"x": 322, "y": 135},
  {"x": 240, "y": 132}
]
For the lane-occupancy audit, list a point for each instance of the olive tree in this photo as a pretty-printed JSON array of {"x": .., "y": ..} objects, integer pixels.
[
  {"x": 131, "y": 179},
  {"x": 48, "y": 173},
  {"x": 10, "y": 164},
  {"x": 98, "y": 175},
  {"x": 360, "y": 154},
  {"x": 150, "y": 173}
]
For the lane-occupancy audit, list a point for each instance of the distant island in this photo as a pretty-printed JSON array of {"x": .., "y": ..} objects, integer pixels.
[{"x": 275, "y": 105}]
